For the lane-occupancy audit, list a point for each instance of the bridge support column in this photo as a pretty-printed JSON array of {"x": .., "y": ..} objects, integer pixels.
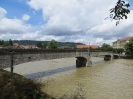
[
  {"x": 107, "y": 57},
  {"x": 89, "y": 62}
]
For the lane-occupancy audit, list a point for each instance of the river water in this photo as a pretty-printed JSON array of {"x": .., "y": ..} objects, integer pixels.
[{"x": 104, "y": 80}]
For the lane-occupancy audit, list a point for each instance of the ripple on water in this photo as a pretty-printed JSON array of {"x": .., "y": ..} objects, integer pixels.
[{"x": 105, "y": 80}]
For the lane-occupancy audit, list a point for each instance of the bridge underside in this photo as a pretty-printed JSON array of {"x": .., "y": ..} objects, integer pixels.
[
  {"x": 110, "y": 57},
  {"x": 107, "y": 57},
  {"x": 81, "y": 61}
]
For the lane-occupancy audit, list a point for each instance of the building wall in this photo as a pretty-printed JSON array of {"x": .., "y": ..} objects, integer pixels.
[{"x": 120, "y": 43}]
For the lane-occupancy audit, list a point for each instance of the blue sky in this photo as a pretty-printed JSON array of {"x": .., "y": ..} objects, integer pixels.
[
  {"x": 17, "y": 8},
  {"x": 63, "y": 20}
]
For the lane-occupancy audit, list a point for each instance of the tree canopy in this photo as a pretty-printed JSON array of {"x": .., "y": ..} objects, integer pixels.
[
  {"x": 120, "y": 11},
  {"x": 52, "y": 44},
  {"x": 6, "y": 43},
  {"x": 42, "y": 45},
  {"x": 129, "y": 48}
]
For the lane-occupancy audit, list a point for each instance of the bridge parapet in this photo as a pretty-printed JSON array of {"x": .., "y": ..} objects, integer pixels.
[{"x": 22, "y": 56}]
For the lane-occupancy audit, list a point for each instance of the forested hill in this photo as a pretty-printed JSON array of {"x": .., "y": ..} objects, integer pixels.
[{"x": 32, "y": 42}]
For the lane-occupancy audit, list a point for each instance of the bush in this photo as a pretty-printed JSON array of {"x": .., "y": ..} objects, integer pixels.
[{"x": 19, "y": 87}]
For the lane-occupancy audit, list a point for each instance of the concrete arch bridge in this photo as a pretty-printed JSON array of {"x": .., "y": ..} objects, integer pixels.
[
  {"x": 84, "y": 58},
  {"x": 11, "y": 57}
]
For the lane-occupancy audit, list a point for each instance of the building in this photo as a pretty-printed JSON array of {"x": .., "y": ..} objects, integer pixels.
[
  {"x": 86, "y": 46},
  {"x": 120, "y": 43},
  {"x": 17, "y": 46},
  {"x": 65, "y": 47}
]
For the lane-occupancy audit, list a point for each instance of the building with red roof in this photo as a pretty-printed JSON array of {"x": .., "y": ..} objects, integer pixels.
[
  {"x": 120, "y": 43},
  {"x": 86, "y": 46}
]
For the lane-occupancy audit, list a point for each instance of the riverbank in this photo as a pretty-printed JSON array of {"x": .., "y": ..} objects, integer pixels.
[{"x": 19, "y": 87}]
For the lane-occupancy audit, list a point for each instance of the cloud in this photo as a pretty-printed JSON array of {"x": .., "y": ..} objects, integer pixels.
[
  {"x": 65, "y": 17},
  {"x": 25, "y": 17},
  {"x": 68, "y": 21},
  {"x": 9, "y": 28},
  {"x": 80, "y": 20},
  {"x": 2, "y": 13},
  {"x": 108, "y": 30}
]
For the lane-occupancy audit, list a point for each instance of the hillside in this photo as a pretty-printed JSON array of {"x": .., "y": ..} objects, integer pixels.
[{"x": 32, "y": 42}]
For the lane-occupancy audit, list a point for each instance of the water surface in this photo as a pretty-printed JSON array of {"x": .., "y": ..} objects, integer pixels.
[{"x": 105, "y": 80}]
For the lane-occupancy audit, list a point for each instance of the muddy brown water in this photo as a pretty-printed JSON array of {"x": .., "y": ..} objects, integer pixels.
[{"x": 104, "y": 80}]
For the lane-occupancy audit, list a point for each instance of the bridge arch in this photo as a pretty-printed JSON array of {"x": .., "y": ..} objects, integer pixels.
[
  {"x": 81, "y": 61},
  {"x": 107, "y": 57}
]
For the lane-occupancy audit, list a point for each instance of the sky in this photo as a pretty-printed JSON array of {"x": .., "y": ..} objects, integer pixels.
[{"x": 81, "y": 21}]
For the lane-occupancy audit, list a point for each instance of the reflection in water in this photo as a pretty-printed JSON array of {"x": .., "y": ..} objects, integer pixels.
[
  {"x": 55, "y": 71},
  {"x": 105, "y": 80},
  {"x": 49, "y": 72}
]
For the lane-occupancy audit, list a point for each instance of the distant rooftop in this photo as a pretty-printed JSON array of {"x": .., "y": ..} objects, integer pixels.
[{"x": 124, "y": 39}]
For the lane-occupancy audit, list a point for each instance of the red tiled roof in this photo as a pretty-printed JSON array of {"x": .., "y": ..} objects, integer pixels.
[
  {"x": 125, "y": 39},
  {"x": 82, "y": 46},
  {"x": 86, "y": 46},
  {"x": 93, "y": 46}
]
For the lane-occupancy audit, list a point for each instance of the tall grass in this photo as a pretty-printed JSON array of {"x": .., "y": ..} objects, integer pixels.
[{"x": 19, "y": 87}]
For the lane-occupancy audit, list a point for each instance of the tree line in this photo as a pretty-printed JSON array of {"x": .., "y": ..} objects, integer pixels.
[
  {"x": 6, "y": 43},
  {"x": 128, "y": 48},
  {"x": 51, "y": 45}
]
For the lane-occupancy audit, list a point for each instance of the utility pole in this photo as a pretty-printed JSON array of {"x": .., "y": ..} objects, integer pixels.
[{"x": 12, "y": 53}]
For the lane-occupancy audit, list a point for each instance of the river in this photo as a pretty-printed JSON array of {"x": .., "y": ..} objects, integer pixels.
[{"x": 104, "y": 80}]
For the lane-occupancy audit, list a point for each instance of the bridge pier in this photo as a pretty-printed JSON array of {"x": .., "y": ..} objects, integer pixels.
[
  {"x": 82, "y": 62},
  {"x": 89, "y": 63},
  {"x": 107, "y": 57}
]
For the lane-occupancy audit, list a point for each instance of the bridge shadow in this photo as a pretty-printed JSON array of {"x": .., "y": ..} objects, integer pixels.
[
  {"x": 49, "y": 72},
  {"x": 56, "y": 71}
]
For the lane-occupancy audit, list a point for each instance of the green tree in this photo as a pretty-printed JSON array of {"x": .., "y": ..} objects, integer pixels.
[
  {"x": 106, "y": 47},
  {"x": 52, "y": 44},
  {"x": 2, "y": 42},
  {"x": 44, "y": 45},
  {"x": 120, "y": 50},
  {"x": 6, "y": 43},
  {"x": 129, "y": 48},
  {"x": 39, "y": 44},
  {"x": 120, "y": 11},
  {"x": 10, "y": 42}
]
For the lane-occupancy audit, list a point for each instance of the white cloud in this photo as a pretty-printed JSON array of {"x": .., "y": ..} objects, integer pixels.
[
  {"x": 72, "y": 14},
  {"x": 12, "y": 28},
  {"x": 69, "y": 18},
  {"x": 69, "y": 21},
  {"x": 108, "y": 29},
  {"x": 2, "y": 13},
  {"x": 26, "y": 17}
]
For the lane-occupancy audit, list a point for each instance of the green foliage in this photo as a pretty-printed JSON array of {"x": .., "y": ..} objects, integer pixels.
[
  {"x": 10, "y": 42},
  {"x": 44, "y": 45},
  {"x": 120, "y": 11},
  {"x": 39, "y": 44},
  {"x": 6, "y": 43},
  {"x": 19, "y": 87},
  {"x": 52, "y": 44},
  {"x": 1, "y": 42},
  {"x": 118, "y": 50},
  {"x": 129, "y": 48},
  {"x": 32, "y": 42},
  {"x": 106, "y": 47}
]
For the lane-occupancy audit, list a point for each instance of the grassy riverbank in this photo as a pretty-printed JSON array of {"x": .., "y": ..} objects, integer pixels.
[{"x": 19, "y": 87}]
